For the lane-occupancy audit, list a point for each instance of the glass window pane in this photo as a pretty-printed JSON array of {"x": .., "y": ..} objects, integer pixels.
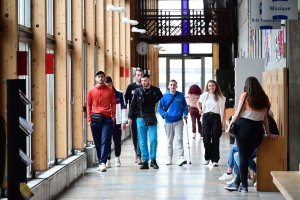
[
  {"x": 162, "y": 74},
  {"x": 50, "y": 17},
  {"x": 69, "y": 89},
  {"x": 69, "y": 18},
  {"x": 200, "y": 48},
  {"x": 167, "y": 5},
  {"x": 176, "y": 72},
  {"x": 170, "y": 49},
  {"x": 21, "y": 12},
  {"x": 196, "y": 4},
  {"x": 192, "y": 73},
  {"x": 27, "y": 13},
  {"x": 208, "y": 69}
]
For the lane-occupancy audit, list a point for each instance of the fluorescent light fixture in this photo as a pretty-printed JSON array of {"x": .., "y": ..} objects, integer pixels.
[
  {"x": 162, "y": 49},
  {"x": 156, "y": 46},
  {"x": 113, "y": 8},
  {"x": 132, "y": 22},
  {"x": 134, "y": 29}
]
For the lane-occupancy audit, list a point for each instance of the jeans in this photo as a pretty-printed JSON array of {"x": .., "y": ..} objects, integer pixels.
[
  {"x": 231, "y": 162},
  {"x": 117, "y": 135},
  {"x": 134, "y": 136},
  {"x": 143, "y": 139},
  {"x": 251, "y": 163},
  {"x": 102, "y": 137}
]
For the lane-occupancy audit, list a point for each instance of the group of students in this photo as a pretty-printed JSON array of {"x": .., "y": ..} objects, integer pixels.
[{"x": 103, "y": 115}]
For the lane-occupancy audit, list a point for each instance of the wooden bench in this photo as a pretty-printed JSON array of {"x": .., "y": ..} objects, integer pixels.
[{"x": 288, "y": 183}]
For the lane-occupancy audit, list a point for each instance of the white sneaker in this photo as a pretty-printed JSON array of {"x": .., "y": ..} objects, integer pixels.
[
  {"x": 226, "y": 176},
  {"x": 117, "y": 162},
  {"x": 255, "y": 184},
  {"x": 182, "y": 161},
  {"x": 230, "y": 182},
  {"x": 215, "y": 164},
  {"x": 169, "y": 162},
  {"x": 250, "y": 182},
  {"x": 102, "y": 167},
  {"x": 108, "y": 164},
  {"x": 206, "y": 162}
]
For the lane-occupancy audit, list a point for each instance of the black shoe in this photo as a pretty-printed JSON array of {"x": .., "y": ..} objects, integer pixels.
[
  {"x": 154, "y": 164},
  {"x": 243, "y": 189},
  {"x": 145, "y": 165}
]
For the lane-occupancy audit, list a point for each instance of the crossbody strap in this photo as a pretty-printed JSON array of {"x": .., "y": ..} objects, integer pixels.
[
  {"x": 169, "y": 104},
  {"x": 238, "y": 117}
]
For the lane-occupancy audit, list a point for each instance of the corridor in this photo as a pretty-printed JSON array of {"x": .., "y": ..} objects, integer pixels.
[{"x": 192, "y": 181}]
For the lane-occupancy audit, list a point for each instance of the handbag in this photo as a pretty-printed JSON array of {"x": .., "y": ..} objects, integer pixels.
[
  {"x": 234, "y": 125},
  {"x": 149, "y": 119}
]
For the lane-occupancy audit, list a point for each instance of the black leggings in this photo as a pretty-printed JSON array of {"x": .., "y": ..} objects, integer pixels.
[{"x": 248, "y": 137}]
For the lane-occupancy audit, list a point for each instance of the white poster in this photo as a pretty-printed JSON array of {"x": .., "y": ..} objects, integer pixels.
[
  {"x": 280, "y": 9},
  {"x": 256, "y": 18}
]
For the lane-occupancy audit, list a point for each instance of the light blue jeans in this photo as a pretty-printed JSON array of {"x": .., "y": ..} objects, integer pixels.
[
  {"x": 231, "y": 163},
  {"x": 251, "y": 163},
  {"x": 143, "y": 139}
]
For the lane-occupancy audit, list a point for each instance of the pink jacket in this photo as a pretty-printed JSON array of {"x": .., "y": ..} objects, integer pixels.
[{"x": 192, "y": 99}]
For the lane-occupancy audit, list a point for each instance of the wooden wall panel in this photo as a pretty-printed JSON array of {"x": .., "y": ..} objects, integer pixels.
[
  {"x": 215, "y": 51},
  {"x": 39, "y": 85},
  {"x": 60, "y": 77},
  {"x": 116, "y": 46},
  {"x": 122, "y": 42},
  {"x": 77, "y": 76},
  {"x": 100, "y": 34},
  {"x": 90, "y": 51},
  {"x": 9, "y": 43},
  {"x": 108, "y": 40}
]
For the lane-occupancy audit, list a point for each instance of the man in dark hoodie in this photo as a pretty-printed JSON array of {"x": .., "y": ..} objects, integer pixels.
[{"x": 101, "y": 114}]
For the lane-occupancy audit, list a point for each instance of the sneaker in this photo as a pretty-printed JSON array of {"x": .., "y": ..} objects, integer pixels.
[
  {"x": 182, "y": 161},
  {"x": 243, "y": 189},
  {"x": 194, "y": 135},
  {"x": 226, "y": 176},
  {"x": 138, "y": 160},
  {"x": 232, "y": 187},
  {"x": 206, "y": 162},
  {"x": 215, "y": 164},
  {"x": 250, "y": 182},
  {"x": 169, "y": 162},
  {"x": 108, "y": 164},
  {"x": 230, "y": 182},
  {"x": 154, "y": 164},
  {"x": 255, "y": 184},
  {"x": 102, "y": 167},
  {"x": 117, "y": 162},
  {"x": 145, "y": 165}
]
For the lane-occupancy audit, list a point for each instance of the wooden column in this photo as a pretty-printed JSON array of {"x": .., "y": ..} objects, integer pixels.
[
  {"x": 129, "y": 43},
  {"x": 90, "y": 50},
  {"x": 215, "y": 50},
  {"x": 60, "y": 77},
  {"x": 116, "y": 46},
  {"x": 77, "y": 75},
  {"x": 108, "y": 40},
  {"x": 100, "y": 34},
  {"x": 39, "y": 85},
  {"x": 9, "y": 43},
  {"x": 122, "y": 42}
]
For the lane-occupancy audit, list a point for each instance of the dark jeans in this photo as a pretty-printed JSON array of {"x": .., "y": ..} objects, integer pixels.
[
  {"x": 194, "y": 112},
  {"x": 248, "y": 137},
  {"x": 211, "y": 131},
  {"x": 116, "y": 134},
  {"x": 2, "y": 149},
  {"x": 134, "y": 136},
  {"x": 102, "y": 137}
]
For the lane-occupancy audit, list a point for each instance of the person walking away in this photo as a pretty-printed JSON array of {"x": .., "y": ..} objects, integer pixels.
[
  {"x": 193, "y": 96},
  {"x": 253, "y": 123},
  {"x": 101, "y": 113},
  {"x": 172, "y": 107},
  {"x": 128, "y": 97},
  {"x": 211, "y": 106},
  {"x": 120, "y": 122},
  {"x": 144, "y": 100}
]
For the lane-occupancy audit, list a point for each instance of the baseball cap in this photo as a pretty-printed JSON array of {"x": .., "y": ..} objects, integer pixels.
[{"x": 99, "y": 72}]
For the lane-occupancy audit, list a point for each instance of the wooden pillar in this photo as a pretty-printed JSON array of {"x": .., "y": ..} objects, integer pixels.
[
  {"x": 108, "y": 40},
  {"x": 39, "y": 85},
  {"x": 100, "y": 34},
  {"x": 90, "y": 50},
  {"x": 116, "y": 46},
  {"x": 128, "y": 44},
  {"x": 215, "y": 50},
  {"x": 122, "y": 42},
  {"x": 60, "y": 78},
  {"x": 77, "y": 76},
  {"x": 9, "y": 43}
]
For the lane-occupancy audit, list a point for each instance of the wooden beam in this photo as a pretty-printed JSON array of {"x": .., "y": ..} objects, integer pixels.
[
  {"x": 216, "y": 57},
  {"x": 9, "y": 43},
  {"x": 108, "y": 40},
  {"x": 128, "y": 43},
  {"x": 122, "y": 42},
  {"x": 100, "y": 34},
  {"x": 60, "y": 77},
  {"x": 116, "y": 46},
  {"x": 90, "y": 50},
  {"x": 77, "y": 76},
  {"x": 39, "y": 85}
]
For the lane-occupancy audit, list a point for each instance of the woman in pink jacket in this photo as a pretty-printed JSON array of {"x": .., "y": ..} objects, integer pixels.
[{"x": 192, "y": 97}]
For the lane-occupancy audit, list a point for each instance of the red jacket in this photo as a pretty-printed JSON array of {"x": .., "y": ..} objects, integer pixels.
[{"x": 101, "y": 99}]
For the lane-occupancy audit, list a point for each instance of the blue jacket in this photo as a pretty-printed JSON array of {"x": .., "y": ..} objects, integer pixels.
[{"x": 177, "y": 109}]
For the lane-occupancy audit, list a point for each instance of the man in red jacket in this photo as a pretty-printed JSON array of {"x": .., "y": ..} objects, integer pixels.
[{"x": 101, "y": 114}]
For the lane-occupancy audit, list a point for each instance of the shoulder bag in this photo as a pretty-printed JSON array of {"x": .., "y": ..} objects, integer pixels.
[
  {"x": 148, "y": 118},
  {"x": 169, "y": 104},
  {"x": 233, "y": 126}
]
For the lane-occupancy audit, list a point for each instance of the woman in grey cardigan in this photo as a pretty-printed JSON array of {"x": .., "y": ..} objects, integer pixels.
[{"x": 211, "y": 106}]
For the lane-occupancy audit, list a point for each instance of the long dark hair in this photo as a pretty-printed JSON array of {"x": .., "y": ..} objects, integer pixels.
[
  {"x": 195, "y": 89},
  {"x": 218, "y": 93},
  {"x": 256, "y": 96}
]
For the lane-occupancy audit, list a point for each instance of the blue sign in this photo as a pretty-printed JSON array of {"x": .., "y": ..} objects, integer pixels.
[{"x": 279, "y": 9}]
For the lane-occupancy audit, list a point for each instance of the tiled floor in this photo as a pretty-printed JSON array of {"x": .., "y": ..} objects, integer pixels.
[{"x": 192, "y": 181}]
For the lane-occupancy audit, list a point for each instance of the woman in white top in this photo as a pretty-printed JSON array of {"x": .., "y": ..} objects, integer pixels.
[
  {"x": 211, "y": 107},
  {"x": 193, "y": 96}
]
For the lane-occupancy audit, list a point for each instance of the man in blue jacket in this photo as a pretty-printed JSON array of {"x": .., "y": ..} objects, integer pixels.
[
  {"x": 173, "y": 107},
  {"x": 120, "y": 122}
]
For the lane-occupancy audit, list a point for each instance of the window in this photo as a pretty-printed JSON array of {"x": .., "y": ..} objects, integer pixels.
[
  {"x": 171, "y": 49},
  {"x": 49, "y": 8},
  {"x": 162, "y": 75},
  {"x": 24, "y": 13},
  {"x": 69, "y": 20},
  {"x": 200, "y": 48}
]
